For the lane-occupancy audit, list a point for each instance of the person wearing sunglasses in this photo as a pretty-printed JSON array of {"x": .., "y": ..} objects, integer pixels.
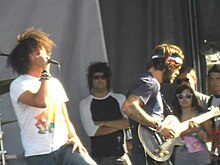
[
  {"x": 188, "y": 76},
  {"x": 214, "y": 83},
  {"x": 194, "y": 151},
  {"x": 102, "y": 118}
]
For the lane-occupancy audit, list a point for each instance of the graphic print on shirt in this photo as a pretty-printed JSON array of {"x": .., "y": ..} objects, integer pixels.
[
  {"x": 193, "y": 144},
  {"x": 45, "y": 121}
]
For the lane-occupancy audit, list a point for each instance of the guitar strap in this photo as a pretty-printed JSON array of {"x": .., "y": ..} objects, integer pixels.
[
  {"x": 209, "y": 105},
  {"x": 166, "y": 107}
]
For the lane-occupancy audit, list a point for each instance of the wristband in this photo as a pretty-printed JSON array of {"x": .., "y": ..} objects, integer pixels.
[
  {"x": 156, "y": 125},
  {"x": 44, "y": 71},
  {"x": 45, "y": 75}
]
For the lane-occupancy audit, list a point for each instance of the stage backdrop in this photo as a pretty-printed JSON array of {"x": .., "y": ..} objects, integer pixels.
[
  {"x": 82, "y": 28},
  {"x": 75, "y": 26}
]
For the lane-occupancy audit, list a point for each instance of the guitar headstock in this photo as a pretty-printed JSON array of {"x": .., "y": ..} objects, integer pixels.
[{"x": 215, "y": 110}]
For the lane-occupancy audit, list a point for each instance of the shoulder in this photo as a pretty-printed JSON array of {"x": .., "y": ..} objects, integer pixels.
[
  {"x": 117, "y": 95},
  {"x": 199, "y": 94},
  {"x": 148, "y": 81},
  {"x": 86, "y": 100},
  {"x": 145, "y": 84},
  {"x": 24, "y": 81}
]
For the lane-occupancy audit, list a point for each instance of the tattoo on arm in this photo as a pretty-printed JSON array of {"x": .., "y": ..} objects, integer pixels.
[{"x": 136, "y": 113}]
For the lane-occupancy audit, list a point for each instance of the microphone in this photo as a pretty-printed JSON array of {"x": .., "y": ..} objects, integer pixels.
[
  {"x": 53, "y": 62},
  {"x": 3, "y": 54}
]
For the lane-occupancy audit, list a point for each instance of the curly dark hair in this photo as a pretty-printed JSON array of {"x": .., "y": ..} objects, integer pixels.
[
  {"x": 99, "y": 67},
  {"x": 28, "y": 41},
  {"x": 177, "y": 111}
]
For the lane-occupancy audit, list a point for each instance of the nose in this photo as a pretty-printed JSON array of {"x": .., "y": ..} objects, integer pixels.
[
  {"x": 185, "y": 83},
  {"x": 43, "y": 53}
]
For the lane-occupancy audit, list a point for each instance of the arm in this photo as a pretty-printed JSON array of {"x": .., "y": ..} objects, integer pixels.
[
  {"x": 208, "y": 134},
  {"x": 132, "y": 107},
  {"x": 107, "y": 127},
  {"x": 38, "y": 99},
  {"x": 98, "y": 128},
  {"x": 73, "y": 138},
  {"x": 105, "y": 131},
  {"x": 118, "y": 124}
]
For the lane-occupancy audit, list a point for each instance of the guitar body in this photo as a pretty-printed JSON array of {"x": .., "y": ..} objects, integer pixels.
[{"x": 157, "y": 147}]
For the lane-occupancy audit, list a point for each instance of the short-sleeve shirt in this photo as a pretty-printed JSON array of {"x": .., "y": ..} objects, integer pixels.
[
  {"x": 108, "y": 108},
  {"x": 215, "y": 101},
  {"x": 146, "y": 88},
  {"x": 43, "y": 130}
]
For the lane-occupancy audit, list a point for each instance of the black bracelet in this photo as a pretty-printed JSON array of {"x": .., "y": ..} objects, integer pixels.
[
  {"x": 45, "y": 76},
  {"x": 156, "y": 126},
  {"x": 44, "y": 71}
]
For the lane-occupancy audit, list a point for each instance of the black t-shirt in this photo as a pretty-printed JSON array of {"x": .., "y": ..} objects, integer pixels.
[
  {"x": 146, "y": 88},
  {"x": 107, "y": 109}
]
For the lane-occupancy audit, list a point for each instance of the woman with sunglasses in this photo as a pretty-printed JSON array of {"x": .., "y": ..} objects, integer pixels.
[{"x": 194, "y": 151}]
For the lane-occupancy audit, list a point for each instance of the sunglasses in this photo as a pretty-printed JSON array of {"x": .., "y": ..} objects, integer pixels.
[
  {"x": 181, "y": 80},
  {"x": 99, "y": 77},
  {"x": 188, "y": 96}
]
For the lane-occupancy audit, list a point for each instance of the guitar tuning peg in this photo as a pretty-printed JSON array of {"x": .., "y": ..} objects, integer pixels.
[
  {"x": 161, "y": 148},
  {"x": 161, "y": 154},
  {"x": 156, "y": 150},
  {"x": 166, "y": 152}
]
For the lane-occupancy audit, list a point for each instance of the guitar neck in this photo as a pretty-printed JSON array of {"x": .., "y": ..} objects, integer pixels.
[{"x": 199, "y": 119}]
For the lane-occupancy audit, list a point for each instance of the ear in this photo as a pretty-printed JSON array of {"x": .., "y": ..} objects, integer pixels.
[
  {"x": 33, "y": 56},
  {"x": 195, "y": 79}
]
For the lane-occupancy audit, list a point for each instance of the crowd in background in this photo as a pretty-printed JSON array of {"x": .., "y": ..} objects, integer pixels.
[
  {"x": 201, "y": 144},
  {"x": 123, "y": 130}
]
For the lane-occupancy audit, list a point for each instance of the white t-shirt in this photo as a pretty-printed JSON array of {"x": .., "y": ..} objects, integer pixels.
[
  {"x": 43, "y": 130},
  {"x": 85, "y": 112},
  {"x": 216, "y": 102}
]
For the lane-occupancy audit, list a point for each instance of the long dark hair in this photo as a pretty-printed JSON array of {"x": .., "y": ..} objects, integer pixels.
[
  {"x": 99, "y": 67},
  {"x": 177, "y": 110},
  {"x": 28, "y": 41}
]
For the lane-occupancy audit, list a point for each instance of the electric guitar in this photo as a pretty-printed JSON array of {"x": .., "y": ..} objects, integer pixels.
[{"x": 159, "y": 148}]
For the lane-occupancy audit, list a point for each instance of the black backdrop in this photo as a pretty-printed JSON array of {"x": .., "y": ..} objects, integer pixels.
[{"x": 133, "y": 27}]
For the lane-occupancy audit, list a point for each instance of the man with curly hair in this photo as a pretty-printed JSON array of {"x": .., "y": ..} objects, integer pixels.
[{"x": 47, "y": 134}]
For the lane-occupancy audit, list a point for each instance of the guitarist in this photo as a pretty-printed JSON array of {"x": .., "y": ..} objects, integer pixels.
[{"x": 144, "y": 103}]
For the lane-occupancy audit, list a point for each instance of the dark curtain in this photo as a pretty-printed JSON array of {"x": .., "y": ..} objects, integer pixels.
[
  {"x": 133, "y": 28},
  {"x": 208, "y": 13}
]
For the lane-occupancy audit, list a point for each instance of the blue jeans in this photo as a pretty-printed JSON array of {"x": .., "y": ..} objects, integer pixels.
[{"x": 63, "y": 156}]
